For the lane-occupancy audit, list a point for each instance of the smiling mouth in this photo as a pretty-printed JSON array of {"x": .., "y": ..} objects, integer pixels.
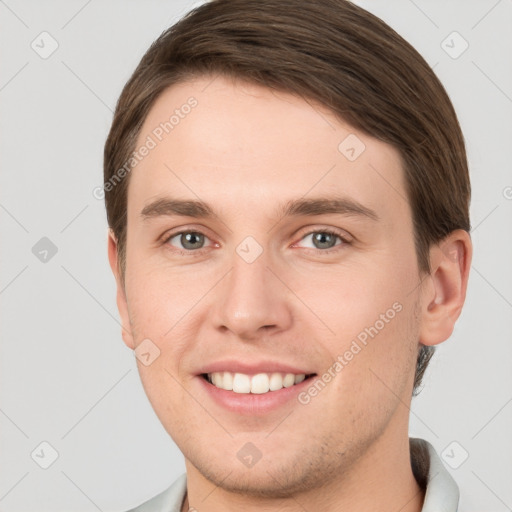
[{"x": 259, "y": 383}]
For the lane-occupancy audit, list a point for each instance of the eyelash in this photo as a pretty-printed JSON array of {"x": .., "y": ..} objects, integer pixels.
[{"x": 199, "y": 252}]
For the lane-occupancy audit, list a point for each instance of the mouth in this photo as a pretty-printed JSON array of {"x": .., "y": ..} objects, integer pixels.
[{"x": 257, "y": 384}]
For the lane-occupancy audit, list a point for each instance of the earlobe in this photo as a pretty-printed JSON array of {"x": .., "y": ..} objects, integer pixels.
[
  {"x": 444, "y": 292},
  {"x": 122, "y": 304}
]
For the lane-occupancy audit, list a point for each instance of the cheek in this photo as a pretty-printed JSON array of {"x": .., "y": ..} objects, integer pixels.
[
  {"x": 382, "y": 371},
  {"x": 373, "y": 334},
  {"x": 157, "y": 296},
  {"x": 158, "y": 308}
]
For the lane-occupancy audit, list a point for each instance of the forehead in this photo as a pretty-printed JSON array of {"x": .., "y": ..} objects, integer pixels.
[{"x": 241, "y": 144}]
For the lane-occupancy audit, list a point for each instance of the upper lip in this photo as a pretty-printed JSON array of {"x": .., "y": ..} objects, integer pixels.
[{"x": 250, "y": 368}]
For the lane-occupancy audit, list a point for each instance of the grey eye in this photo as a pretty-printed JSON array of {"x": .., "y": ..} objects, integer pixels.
[
  {"x": 322, "y": 239},
  {"x": 189, "y": 240}
]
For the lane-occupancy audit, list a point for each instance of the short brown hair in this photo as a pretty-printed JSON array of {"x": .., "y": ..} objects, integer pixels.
[{"x": 329, "y": 51}]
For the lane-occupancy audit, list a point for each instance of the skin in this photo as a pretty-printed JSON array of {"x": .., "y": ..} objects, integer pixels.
[{"x": 244, "y": 149}]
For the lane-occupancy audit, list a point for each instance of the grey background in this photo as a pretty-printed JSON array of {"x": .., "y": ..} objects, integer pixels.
[{"x": 67, "y": 378}]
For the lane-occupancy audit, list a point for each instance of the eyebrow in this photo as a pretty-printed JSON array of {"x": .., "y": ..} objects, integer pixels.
[{"x": 294, "y": 208}]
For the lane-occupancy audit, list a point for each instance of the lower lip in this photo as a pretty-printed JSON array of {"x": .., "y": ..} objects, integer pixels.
[{"x": 251, "y": 404}]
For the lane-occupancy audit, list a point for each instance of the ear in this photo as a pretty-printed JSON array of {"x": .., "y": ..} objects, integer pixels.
[
  {"x": 444, "y": 289},
  {"x": 122, "y": 305}
]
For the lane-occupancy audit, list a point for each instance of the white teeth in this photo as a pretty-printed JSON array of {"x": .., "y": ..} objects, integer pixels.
[
  {"x": 258, "y": 384},
  {"x": 276, "y": 382},
  {"x": 227, "y": 381},
  {"x": 289, "y": 380},
  {"x": 241, "y": 383},
  {"x": 299, "y": 378},
  {"x": 217, "y": 379}
]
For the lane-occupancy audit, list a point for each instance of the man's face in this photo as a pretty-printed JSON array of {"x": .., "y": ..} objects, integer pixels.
[{"x": 249, "y": 289}]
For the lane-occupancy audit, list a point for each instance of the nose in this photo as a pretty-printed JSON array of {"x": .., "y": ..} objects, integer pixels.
[{"x": 252, "y": 300}]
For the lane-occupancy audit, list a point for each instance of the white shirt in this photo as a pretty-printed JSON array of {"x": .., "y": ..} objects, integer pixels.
[{"x": 442, "y": 493}]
